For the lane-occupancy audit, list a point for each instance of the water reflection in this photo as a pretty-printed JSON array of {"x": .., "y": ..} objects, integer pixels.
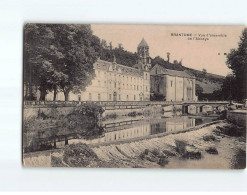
[
  {"x": 142, "y": 128},
  {"x": 120, "y": 129}
]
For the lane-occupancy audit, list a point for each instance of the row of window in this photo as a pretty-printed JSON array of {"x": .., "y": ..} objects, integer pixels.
[
  {"x": 127, "y": 86},
  {"x": 123, "y": 77},
  {"x": 111, "y": 97}
]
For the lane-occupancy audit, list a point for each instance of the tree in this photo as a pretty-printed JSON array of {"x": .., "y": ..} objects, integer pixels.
[
  {"x": 175, "y": 62},
  {"x": 59, "y": 57},
  {"x": 229, "y": 88},
  {"x": 199, "y": 91},
  {"x": 39, "y": 56},
  {"x": 120, "y": 46},
  {"x": 237, "y": 61}
]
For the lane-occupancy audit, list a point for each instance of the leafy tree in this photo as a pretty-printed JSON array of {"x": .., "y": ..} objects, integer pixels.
[
  {"x": 229, "y": 88},
  {"x": 237, "y": 61},
  {"x": 161, "y": 61},
  {"x": 39, "y": 56},
  {"x": 59, "y": 57},
  {"x": 120, "y": 46},
  {"x": 199, "y": 91}
]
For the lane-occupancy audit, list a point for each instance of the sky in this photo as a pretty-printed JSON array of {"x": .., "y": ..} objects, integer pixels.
[{"x": 207, "y": 53}]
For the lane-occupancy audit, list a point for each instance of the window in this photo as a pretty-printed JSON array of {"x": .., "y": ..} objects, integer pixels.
[
  {"x": 110, "y": 84},
  {"x": 134, "y": 97},
  {"x": 109, "y": 96},
  {"x": 90, "y": 96},
  {"x": 127, "y": 78},
  {"x": 98, "y": 82},
  {"x": 146, "y": 88},
  {"x": 146, "y": 76},
  {"x": 123, "y": 86},
  {"x": 131, "y": 79},
  {"x": 137, "y": 87},
  {"x": 99, "y": 96},
  {"x": 79, "y": 98},
  {"x": 115, "y": 85},
  {"x": 127, "y": 86},
  {"x": 171, "y": 83},
  {"x": 134, "y": 87},
  {"x": 119, "y": 97},
  {"x": 105, "y": 83},
  {"x": 98, "y": 73},
  {"x": 127, "y": 97},
  {"x": 105, "y": 74}
]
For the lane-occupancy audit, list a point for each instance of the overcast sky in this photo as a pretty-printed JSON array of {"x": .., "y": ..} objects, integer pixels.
[{"x": 197, "y": 54}]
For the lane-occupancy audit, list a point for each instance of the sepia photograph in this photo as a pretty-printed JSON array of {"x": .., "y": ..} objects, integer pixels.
[{"x": 134, "y": 96}]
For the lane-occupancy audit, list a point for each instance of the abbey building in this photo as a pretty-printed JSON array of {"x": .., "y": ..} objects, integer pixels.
[{"x": 116, "y": 82}]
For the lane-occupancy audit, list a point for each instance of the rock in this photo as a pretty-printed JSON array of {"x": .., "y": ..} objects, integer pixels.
[
  {"x": 192, "y": 153},
  {"x": 152, "y": 158},
  {"x": 209, "y": 138},
  {"x": 211, "y": 150},
  {"x": 155, "y": 152},
  {"x": 168, "y": 153},
  {"x": 146, "y": 151},
  {"x": 163, "y": 161}
]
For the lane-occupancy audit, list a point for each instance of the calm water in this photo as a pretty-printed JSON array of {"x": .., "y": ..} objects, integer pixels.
[{"x": 115, "y": 130}]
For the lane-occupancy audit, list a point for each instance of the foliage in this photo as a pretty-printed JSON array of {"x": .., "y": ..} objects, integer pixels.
[
  {"x": 166, "y": 64},
  {"x": 59, "y": 57},
  {"x": 84, "y": 119},
  {"x": 79, "y": 155},
  {"x": 157, "y": 97},
  {"x": 237, "y": 61},
  {"x": 199, "y": 91},
  {"x": 122, "y": 56}
]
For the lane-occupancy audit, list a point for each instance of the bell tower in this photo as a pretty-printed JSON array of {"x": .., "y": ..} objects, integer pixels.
[{"x": 143, "y": 54}]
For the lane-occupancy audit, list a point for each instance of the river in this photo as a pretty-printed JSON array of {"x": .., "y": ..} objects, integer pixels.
[{"x": 121, "y": 129}]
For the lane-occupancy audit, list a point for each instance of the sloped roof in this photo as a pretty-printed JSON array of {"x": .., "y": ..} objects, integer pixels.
[
  {"x": 104, "y": 65},
  {"x": 173, "y": 72},
  {"x": 143, "y": 43}
]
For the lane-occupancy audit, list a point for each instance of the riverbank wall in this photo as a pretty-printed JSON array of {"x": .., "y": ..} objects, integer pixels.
[{"x": 238, "y": 117}]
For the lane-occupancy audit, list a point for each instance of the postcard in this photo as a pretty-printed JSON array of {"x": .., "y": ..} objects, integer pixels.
[{"x": 134, "y": 96}]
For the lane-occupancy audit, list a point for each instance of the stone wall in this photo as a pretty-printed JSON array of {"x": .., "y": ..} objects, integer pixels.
[{"x": 238, "y": 117}]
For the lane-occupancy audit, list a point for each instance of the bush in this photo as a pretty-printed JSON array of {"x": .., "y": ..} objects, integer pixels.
[
  {"x": 212, "y": 150},
  {"x": 79, "y": 155},
  {"x": 209, "y": 138},
  {"x": 180, "y": 146},
  {"x": 111, "y": 116},
  {"x": 163, "y": 161}
]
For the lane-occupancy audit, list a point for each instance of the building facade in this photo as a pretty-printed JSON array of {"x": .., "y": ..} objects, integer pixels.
[
  {"x": 116, "y": 82},
  {"x": 172, "y": 85}
]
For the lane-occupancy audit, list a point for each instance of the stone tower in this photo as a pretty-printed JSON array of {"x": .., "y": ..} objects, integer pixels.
[{"x": 143, "y": 54}]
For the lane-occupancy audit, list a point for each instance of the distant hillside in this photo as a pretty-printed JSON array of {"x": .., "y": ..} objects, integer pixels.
[{"x": 208, "y": 81}]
